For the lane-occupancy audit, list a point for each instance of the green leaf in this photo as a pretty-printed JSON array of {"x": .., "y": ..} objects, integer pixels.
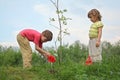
[
  {"x": 59, "y": 11},
  {"x": 64, "y": 22},
  {"x": 65, "y": 10},
  {"x": 52, "y": 19}
]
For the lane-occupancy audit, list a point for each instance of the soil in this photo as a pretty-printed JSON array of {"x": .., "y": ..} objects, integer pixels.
[{"x": 52, "y": 71}]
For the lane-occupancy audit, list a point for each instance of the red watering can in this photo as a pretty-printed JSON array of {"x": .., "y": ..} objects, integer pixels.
[
  {"x": 88, "y": 61},
  {"x": 51, "y": 59}
]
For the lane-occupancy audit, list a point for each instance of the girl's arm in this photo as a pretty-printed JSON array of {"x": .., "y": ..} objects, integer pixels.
[{"x": 99, "y": 37}]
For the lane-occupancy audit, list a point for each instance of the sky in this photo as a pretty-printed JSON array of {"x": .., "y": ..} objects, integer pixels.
[{"x": 16, "y": 15}]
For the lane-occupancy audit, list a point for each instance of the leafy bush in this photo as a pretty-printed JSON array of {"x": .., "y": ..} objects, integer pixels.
[{"x": 9, "y": 57}]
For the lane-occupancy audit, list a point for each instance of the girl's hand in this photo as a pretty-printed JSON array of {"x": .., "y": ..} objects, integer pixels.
[{"x": 97, "y": 43}]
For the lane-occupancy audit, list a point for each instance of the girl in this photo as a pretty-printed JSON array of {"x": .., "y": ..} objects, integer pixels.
[{"x": 95, "y": 34}]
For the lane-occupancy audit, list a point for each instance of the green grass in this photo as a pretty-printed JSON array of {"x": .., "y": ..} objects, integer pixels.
[
  {"x": 65, "y": 71},
  {"x": 72, "y": 67}
]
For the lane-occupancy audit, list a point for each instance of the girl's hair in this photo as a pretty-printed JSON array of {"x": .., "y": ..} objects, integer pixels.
[
  {"x": 48, "y": 34},
  {"x": 96, "y": 13}
]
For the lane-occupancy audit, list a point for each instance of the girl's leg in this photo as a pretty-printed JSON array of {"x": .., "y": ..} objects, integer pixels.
[{"x": 95, "y": 52}]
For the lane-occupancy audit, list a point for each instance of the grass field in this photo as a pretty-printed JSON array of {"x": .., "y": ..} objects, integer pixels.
[{"x": 72, "y": 66}]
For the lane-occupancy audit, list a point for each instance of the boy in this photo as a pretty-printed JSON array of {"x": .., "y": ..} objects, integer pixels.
[{"x": 37, "y": 38}]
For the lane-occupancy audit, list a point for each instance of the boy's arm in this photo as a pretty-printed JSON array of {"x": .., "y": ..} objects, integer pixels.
[{"x": 43, "y": 52}]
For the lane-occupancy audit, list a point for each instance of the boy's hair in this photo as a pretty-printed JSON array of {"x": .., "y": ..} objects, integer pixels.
[
  {"x": 48, "y": 34},
  {"x": 96, "y": 13}
]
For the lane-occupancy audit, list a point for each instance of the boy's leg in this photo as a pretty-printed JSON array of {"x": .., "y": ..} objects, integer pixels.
[{"x": 25, "y": 50}]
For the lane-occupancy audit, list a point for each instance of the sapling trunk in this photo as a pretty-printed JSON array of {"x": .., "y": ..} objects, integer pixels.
[{"x": 52, "y": 68}]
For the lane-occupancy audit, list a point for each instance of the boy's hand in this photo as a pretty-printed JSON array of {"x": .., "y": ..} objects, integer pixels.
[
  {"x": 50, "y": 57},
  {"x": 47, "y": 54}
]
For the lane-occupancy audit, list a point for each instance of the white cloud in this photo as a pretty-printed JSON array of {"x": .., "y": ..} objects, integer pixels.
[
  {"x": 110, "y": 15},
  {"x": 44, "y": 10},
  {"x": 111, "y": 33},
  {"x": 8, "y": 44}
]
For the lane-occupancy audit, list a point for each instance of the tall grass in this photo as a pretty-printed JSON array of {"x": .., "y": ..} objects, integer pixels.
[{"x": 72, "y": 68}]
